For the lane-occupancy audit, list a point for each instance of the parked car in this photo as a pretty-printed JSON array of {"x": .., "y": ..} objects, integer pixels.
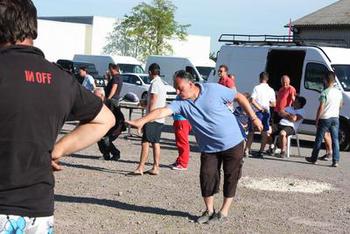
[
  {"x": 139, "y": 84},
  {"x": 126, "y": 64},
  {"x": 304, "y": 64},
  {"x": 199, "y": 68},
  {"x": 73, "y": 67}
]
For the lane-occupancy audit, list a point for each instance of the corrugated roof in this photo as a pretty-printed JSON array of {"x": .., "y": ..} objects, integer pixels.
[{"x": 337, "y": 13}]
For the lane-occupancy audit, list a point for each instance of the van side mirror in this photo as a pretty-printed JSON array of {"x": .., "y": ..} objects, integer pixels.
[{"x": 138, "y": 82}]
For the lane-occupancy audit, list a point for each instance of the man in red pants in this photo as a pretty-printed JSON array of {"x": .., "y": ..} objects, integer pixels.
[{"x": 182, "y": 129}]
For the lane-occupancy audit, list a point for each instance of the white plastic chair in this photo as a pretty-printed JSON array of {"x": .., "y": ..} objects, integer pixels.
[{"x": 289, "y": 138}]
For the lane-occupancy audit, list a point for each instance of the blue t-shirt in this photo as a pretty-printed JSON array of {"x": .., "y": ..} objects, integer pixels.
[
  {"x": 88, "y": 82},
  {"x": 214, "y": 126}
]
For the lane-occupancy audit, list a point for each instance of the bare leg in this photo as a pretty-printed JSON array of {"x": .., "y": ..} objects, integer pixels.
[
  {"x": 250, "y": 138},
  {"x": 226, "y": 205},
  {"x": 156, "y": 158},
  {"x": 143, "y": 157},
  {"x": 283, "y": 141},
  {"x": 209, "y": 203},
  {"x": 264, "y": 136}
]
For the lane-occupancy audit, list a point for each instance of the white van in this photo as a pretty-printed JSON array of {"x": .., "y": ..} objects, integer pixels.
[
  {"x": 126, "y": 64},
  {"x": 199, "y": 68},
  {"x": 305, "y": 65}
]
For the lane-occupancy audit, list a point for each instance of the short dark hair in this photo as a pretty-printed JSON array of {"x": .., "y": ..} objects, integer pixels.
[
  {"x": 301, "y": 100},
  {"x": 18, "y": 21},
  {"x": 183, "y": 75},
  {"x": 154, "y": 69},
  {"x": 114, "y": 66},
  {"x": 223, "y": 66},
  {"x": 329, "y": 77},
  {"x": 83, "y": 68},
  {"x": 264, "y": 76}
]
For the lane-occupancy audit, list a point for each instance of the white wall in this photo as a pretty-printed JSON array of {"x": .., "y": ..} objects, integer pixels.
[
  {"x": 102, "y": 26},
  {"x": 60, "y": 40}
]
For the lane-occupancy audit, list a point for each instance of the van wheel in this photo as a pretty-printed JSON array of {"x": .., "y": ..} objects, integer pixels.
[
  {"x": 344, "y": 136},
  {"x": 144, "y": 96}
]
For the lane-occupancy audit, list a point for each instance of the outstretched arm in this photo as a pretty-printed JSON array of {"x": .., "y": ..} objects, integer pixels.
[
  {"x": 153, "y": 115},
  {"x": 82, "y": 136}
]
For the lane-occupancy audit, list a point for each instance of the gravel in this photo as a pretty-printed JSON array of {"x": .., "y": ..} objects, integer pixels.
[{"x": 274, "y": 196}]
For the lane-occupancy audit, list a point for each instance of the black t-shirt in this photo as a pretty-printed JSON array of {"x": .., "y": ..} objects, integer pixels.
[
  {"x": 115, "y": 80},
  {"x": 36, "y": 97}
]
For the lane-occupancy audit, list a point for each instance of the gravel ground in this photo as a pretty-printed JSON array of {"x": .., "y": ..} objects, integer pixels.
[{"x": 274, "y": 196}]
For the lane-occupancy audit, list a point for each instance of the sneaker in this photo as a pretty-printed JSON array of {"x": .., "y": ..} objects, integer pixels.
[
  {"x": 172, "y": 165},
  {"x": 258, "y": 154},
  {"x": 115, "y": 157},
  {"x": 247, "y": 153},
  {"x": 205, "y": 217},
  {"x": 270, "y": 151},
  {"x": 326, "y": 157},
  {"x": 178, "y": 167},
  {"x": 310, "y": 160},
  {"x": 335, "y": 164},
  {"x": 217, "y": 217}
]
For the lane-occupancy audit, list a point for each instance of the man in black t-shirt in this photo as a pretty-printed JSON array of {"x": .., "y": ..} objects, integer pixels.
[
  {"x": 36, "y": 98},
  {"x": 114, "y": 86}
]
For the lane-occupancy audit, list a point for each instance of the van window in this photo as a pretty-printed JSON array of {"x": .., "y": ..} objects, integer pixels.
[
  {"x": 204, "y": 71},
  {"x": 314, "y": 76},
  {"x": 126, "y": 78},
  {"x": 343, "y": 75},
  {"x": 130, "y": 68}
]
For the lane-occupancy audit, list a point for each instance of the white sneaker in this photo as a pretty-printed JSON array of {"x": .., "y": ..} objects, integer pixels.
[{"x": 179, "y": 168}]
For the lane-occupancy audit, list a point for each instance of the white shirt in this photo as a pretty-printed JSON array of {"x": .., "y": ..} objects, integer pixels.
[
  {"x": 331, "y": 99},
  {"x": 263, "y": 94},
  {"x": 158, "y": 88},
  {"x": 291, "y": 110}
]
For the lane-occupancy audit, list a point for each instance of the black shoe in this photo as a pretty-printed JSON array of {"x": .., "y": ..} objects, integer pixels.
[
  {"x": 205, "y": 217},
  {"x": 107, "y": 157},
  {"x": 326, "y": 157},
  {"x": 310, "y": 160},
  {"x": 282, "y": 154},
  {"x": 258, "y": 154},
  {"x": 115, "y": 157},
  {"x": 335, "y": 164},
  {"x": 217, "y": 218}
]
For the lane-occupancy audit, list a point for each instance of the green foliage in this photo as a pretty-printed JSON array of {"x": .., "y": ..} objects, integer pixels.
[{"x": 146, "y": 31}]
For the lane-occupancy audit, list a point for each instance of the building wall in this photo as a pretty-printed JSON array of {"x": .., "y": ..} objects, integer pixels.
[
  {"x": 329, "y": 33},
  {"x": 60, "y": 40}
]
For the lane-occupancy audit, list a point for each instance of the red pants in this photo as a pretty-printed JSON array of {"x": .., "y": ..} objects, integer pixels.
[{"x": 182, "y": 129}]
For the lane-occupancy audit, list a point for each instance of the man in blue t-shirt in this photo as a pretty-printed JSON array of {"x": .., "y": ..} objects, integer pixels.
[{"x": 215, "y": 129}]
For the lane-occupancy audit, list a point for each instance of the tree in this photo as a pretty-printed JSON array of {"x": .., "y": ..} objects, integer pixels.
[{"x": 146, "y": 31}]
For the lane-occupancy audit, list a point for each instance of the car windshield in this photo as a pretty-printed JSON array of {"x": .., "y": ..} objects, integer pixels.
[
  {"x": 343, "y": 75},
  {"x": 91, "y": 69},
  {"x": 130, "y": 68},
  {"x": 146, "y": 79},
  {"x": 204, "y": 71}
]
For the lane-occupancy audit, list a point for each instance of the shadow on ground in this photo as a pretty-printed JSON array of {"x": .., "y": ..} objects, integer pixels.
[{"x": 122, "y": 206}]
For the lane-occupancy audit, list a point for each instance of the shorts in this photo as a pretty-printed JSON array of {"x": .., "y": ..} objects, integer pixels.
[
  {"x": 20, "y": 224},
  {"x": 151, "y": 132},
  {"x": 265, "y": 120},
  {"x": 288, "y": 129},
  {"x": 210, "y": 171}
]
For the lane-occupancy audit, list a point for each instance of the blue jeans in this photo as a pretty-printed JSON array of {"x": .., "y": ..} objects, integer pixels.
[{"x": 324, "y": 125}]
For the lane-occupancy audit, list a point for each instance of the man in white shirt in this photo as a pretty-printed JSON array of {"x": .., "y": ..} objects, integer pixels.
[
  {"x": 327, "y": 118},
  {"x": 292, "y": 116},
  {"x": 262, "y": 98},
  {"x": 152, "y": 130}
]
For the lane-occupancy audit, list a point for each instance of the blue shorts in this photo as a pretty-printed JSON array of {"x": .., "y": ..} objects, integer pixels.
[{"x": 265, "y": 120}]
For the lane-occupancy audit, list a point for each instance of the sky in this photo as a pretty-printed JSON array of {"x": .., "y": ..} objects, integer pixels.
[{"x": 206, "y": 17}]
